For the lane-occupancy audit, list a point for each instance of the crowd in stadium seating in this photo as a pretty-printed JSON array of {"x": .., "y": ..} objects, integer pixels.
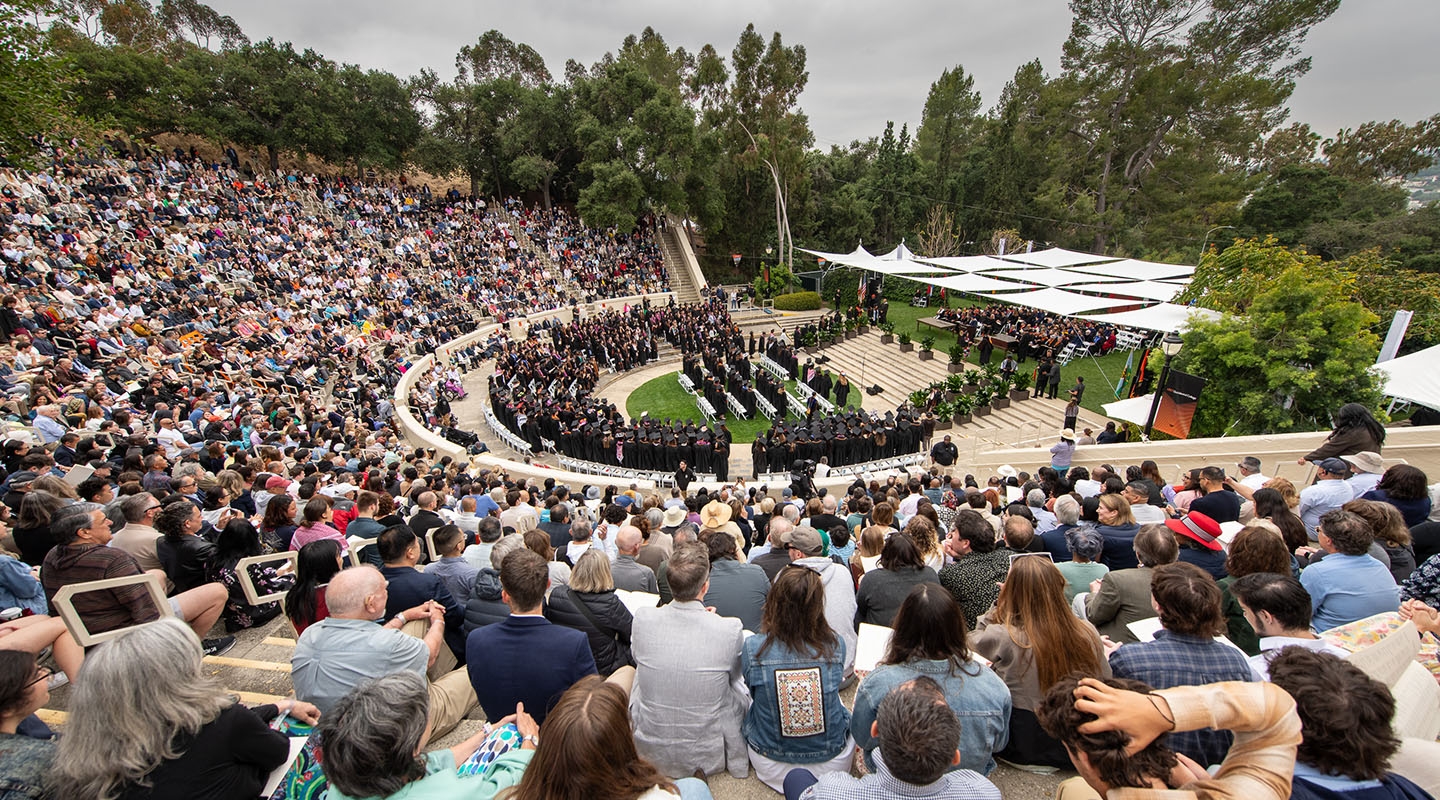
[{"x": 204, "y": 368}]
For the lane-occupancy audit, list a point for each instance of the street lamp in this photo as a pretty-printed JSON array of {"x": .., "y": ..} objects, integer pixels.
[
  {"x": 1170, "y": 346},
  {"x": 1206, "y": 240}
]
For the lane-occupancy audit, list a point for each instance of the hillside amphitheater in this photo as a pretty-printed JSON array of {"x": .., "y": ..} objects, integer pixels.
[{"x": 257, "y": 669}]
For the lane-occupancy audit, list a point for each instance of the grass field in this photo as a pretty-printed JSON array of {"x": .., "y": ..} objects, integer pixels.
[{"x": 1099, "y": 373}]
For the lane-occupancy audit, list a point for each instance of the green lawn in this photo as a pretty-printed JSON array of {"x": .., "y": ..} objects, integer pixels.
[{"x": 1099, "y": 373}]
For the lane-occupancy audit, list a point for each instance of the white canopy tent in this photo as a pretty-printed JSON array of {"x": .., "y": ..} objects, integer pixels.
[
  {"x": 896, "y": 262},
  {"x": 1145, "y": 290},
  {"x": 1414, "y": 378},
  {"x": 972, "y": 283},
  {"x": 972, "y": 263},
  {"x": 1133, "y": 270},
  {"x": 1047, "y": 276},
  {"x": 1056, "y": 257},
  {"x": 1161, "y": 317},
  {"x": 1057, "y": 301}
]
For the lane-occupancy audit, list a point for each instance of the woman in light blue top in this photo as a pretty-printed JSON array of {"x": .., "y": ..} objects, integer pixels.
[
  {"x": 929, "y": 639},
  {"x": 374, "y": 740}
]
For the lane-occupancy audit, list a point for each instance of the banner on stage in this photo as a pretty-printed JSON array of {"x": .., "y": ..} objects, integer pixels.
[{"x": 1177, "y": 404}]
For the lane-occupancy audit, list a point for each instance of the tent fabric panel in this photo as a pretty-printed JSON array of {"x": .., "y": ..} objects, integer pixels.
[
  {"x": 1161, "y": 317},
  {"x": 1058, "y": 301},
  {"x": 1146, "y": 290},
  {"x": 1133, "y": 270},
  {"x": 1414, "y": 378},
  {"x": 1055, "y": 257}
]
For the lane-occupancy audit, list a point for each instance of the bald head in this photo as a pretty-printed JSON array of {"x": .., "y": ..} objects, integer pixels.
[
  {"x": 427, "y": 500},
  {"x": 779, "y": 526},
  {"x": 627, "y": 541},
  {"x": 349, "y": 589}
]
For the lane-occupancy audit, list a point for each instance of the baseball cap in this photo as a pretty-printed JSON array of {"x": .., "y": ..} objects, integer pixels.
[
  {"x": 1333, "y": 466},
  {"x": 805, "y": 539}
]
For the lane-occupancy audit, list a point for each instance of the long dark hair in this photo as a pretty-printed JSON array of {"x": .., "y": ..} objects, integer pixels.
[
  {"x": 1352, "y": 416},
  {"x": 795, "y": 614},
  {"x": 279, "y": 511},
  {"x": 1270, "y": 504},
  {"x": 237, "y": 540},
  {"x": 315, "y": 565},
  {"x": 929, "y": 627}
]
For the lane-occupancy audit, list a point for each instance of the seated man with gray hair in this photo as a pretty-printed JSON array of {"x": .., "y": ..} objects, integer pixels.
[
  {"x": 81, "y": 554},
  {"x": 349, "y": 647},
  {"x": 1067, "y": 516}
]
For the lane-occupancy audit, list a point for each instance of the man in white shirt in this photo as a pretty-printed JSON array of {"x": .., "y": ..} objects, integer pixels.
[
  {"x": 1328, "y": 493},
  {"x": 1250, "y": 475},
  {"x": 172, "y": 440},
  {"x": 1139, "y": 496},
  {"x": 1278, "y": 608}
]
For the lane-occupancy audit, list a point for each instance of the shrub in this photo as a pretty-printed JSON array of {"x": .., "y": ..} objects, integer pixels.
[
  {"x": 927, "y": 344},
  {"x": 904, "y": 338},
  {"x": 797, "y": 301},
  {"x": 957, "y": 356}
]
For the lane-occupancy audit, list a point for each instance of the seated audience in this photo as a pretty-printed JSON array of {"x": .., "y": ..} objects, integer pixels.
[
  {"x": 589, "y": 604},
  {"x": 315, "y": 565},
  {"x": 1033, "y": 640},
  {"x": 686, "y": 705},
  {"x": 1348, "y": 585},
  {"x": 1123, "y": 596},
  {"x": 1185, "y": 652},
  {"x": 930, "y": 641},
  {"x": 525, "y": 658},
  {"x": 184, "y": 736},
  {"x": 1278, "y": 608},
  {"x": 883, "y": 590}
]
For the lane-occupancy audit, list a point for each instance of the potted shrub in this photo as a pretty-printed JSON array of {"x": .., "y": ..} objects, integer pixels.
[
  {"x": 927, "y": 348},
  {"x": 905, "y": 345},
  {"x": 957, "y": 361},
  {"x": 887, "y": 332},
  {"x": 852, "y": 327},
  {"x": 919, "y": 399},
  {"x": 943, "y": 416},
  {"x": 1001, "y": 388},
  {"x": 963, "y": 405},
  {"x": 1021, "y": 386},
  {"x": 982, "y": 402},
  {"x": 808, "y": 341}
]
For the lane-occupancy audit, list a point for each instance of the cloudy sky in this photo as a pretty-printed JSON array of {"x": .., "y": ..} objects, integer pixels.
[{"x": 868, "y": 62}]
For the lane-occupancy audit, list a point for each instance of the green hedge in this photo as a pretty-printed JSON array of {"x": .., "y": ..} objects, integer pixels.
[{"x": 798, "y": 301}]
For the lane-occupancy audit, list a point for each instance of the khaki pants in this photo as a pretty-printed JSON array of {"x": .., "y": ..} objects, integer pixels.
[{"x": 451, "y": 695}]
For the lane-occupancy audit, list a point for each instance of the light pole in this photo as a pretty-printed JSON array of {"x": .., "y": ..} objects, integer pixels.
[
  {"x": 1206, "y": 240},
  {"x": 1170, "y": 346}
]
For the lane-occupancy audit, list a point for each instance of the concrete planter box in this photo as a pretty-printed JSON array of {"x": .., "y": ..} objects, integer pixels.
[
  {"x": 1001, "y": 402},
  {"x": 906, "y": 347},
  {"x": 982, "y": 411},
  {"x": 1019, "y": 394},
  {"x": 961, "y": 419},
  {"x": 887, "y": 338},
  {"x": 955, "y": 369},
  {"x": 927, "y": 355},
  {"x": 944, "y": 424}
]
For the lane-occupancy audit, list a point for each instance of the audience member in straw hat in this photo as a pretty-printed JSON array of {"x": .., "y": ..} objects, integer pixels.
[
  {"x": 1064, "y": 450},
  {"x": 716, "y": 516}
]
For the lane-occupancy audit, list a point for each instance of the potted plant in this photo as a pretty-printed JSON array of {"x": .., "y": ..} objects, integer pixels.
[
  {"x": 957, "y": 361},
  {"x": 887, "y": 332},
  {"x": 963, "y": 405},
  {"x": 852, "y": 327},
  {"x": 1001, "y": 388},
  {"x": 983, "y": 399},
  {"x": 919, "y": 399},
  {"x": 905, "y": 345},
  {"x": 808, "y": 341},
  {"x": 943, "y": 416},
  {"x": 1020, "y": 389},
  {"x": 927, "y": 347}
]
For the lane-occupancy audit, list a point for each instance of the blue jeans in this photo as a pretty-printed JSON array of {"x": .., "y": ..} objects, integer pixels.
[{"x": 693, "y": 789}]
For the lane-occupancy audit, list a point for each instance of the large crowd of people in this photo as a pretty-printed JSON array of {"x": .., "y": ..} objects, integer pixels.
[{"x": 203, "y": 366}]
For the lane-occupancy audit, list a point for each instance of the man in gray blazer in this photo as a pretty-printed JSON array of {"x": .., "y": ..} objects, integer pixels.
[
  {"x": 1123, "y": 595},
  {"x": 685, "y": 704}
]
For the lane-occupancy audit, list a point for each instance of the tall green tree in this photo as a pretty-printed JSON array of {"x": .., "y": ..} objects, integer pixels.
[
  {"x": 641, "y": 150},
  {"x": 281, "y": 100},
  {"x": 1143, "y": 79},
  {"x": 468, "y": 115},
  {"x": 1303, "y": 347},
  {"x": 35, "y": 79},
  {"x": 947, "y": 130}
]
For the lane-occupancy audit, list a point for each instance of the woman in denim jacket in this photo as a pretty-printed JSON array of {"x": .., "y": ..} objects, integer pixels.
[
  {"x": 929, "y": 639},
  {"x": 794, "y": 668}
]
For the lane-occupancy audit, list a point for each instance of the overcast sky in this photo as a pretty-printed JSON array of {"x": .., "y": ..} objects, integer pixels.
[{"x": 868, "y": 62}]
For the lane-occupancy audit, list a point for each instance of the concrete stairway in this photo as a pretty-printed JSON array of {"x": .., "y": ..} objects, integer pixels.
[
  {"x": 1024, "y": 423},
  {"x": 680, "y": 282}
]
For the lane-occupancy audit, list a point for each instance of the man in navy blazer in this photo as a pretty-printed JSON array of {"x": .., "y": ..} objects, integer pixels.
[
  {"x": 409, "y": 587},
  {"x": 525, "y": 659}
]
